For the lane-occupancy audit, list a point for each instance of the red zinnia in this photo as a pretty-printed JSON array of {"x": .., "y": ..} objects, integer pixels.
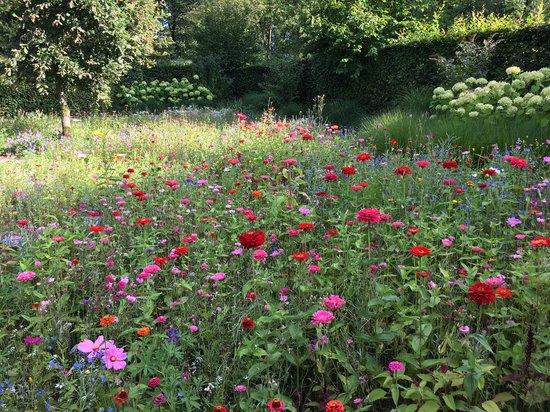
[
  {"x": 420, "y": 251},
  {"x": 306, "y": 226},
  {"x": 252, "y": 239},
  {"x": 160, "y": 261},
  {"x": 422, "y": 163},
  {"x": 96, "y": 229},
  {"x": 143, "y": 221},
  {"x": 489, "y": 172},
  {"x": 363, "y": 157},
  {"x": 348, "y": 170},
  {"x": 300, "y": 256},
  {"x": 334, "y": 406},
  {"x": 121, "y": 398},
  {"x": 519, "y": 163},
  {"x": 307, "y": 136},
  {"x": 504, "y": 293},
  {"x": 402, "y": 171},
  {"x": 248, "y": 323},
  {"x": 481, "y": 293},
  {"x": 450, "y": 164},
  {"x": 540, "y": 241},
  {"x": 275, "y": 404},
  {"x": 181, "y": 250},
  {"x": 220, "y": 408},
  {"x": 369, "y": 215},
  {"x": 330, "y": 177}
]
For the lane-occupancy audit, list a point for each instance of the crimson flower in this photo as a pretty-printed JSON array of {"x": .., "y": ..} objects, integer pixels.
[
  {"x": 402, "y": 171},
  {"x": 252, "y": 239},
  {"x": 300, "y": 256},
  {"x": 420, "y": 251},
  {"x": 121, "y": 397},
  {"x": 248, "y": 323},
  {"x": 363, "y": 157},
  {"x": 481, "y": 293},
  {"x": 348, "y": 170},
  {"x": 450, "y": 164}
]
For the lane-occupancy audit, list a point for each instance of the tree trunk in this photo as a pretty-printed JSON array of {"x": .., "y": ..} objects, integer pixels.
[{"x": 66, "y": 129}]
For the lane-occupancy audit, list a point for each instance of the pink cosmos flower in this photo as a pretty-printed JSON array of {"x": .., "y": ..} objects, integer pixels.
[
  {"x": 333, "y": 302},
  {"x": 93, "y": 348},
  {"x": 114, "y": 358},
  {"x": 322, "y": 317},
  {"x": 25, "y": 276}
]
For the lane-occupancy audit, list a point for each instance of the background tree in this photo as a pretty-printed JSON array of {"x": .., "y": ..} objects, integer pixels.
[{"x": 80, "y": 45}]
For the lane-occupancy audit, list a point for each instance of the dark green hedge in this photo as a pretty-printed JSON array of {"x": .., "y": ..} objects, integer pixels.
[{"x": 384, "y": 77}]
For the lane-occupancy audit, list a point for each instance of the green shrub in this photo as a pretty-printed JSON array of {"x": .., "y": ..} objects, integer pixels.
[{"x": 255, "y": 102}]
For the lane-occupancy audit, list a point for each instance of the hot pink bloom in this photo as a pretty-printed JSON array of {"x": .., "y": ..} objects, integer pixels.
[
  {"x": 495, "y": 282},
  {"x": 333, "y": 302},
  {"x": 24, "y": 276},
  {"x": 395, "y": 366},
  {"x": 447, "y": 242},
  {"x": 93, "y": 348},
  {"x": 369, "y": 215},
  {"x": 260, "y": 256},
  {"x": 114, "y": 358},
  {"x": 322, "y": 317},
  {"x": 151, "y": 269},
  {"x": 218, "y": 276}
]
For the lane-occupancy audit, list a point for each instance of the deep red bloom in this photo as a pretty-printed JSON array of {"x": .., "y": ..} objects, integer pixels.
[
  {"x": 420, "y": 251},
  {"x": 220, "y": 408},
  {"x": 93, "y": 213},
  {"x": 330, "y": 177},
  {"x": 307, "y": 136},
  {"x": 155, "y": 381},
  {"x": 306, "y": 226},
  {"x": 402, "y": 171},
  {"x": 422, "y": 163},
  {"x": 489, "y": 172},
  {"x": 300, "y": 256},
  {"x": 138, "y": 193},
  {"x": 481, "y": 293},
  {"x": 252, "y": 239},
  {"x": 519, "y": 163},
  {"x": 450, "y": 164},
  {"x": 121, "y": 397},
  {"x": 22, "y": 223},
  {"x": 348, "y": 170},
  {"x": 96, "y": 229},
  {"x": 248, "y": 323},
  {"x": 143, "y": 221}
]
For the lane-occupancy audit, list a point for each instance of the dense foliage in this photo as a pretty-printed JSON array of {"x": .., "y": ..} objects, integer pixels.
[{"x": 163, "y": 263}]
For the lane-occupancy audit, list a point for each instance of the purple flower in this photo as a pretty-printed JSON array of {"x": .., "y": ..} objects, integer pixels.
[
  {"x": 33, "y": 340},
  {"x": 464, "y": 329},
  {"x": 513, "y": 221},
  {"x": 240, "y": 388}
]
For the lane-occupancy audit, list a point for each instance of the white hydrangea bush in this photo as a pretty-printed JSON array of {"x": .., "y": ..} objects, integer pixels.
[{"x": 522, "y": 94}]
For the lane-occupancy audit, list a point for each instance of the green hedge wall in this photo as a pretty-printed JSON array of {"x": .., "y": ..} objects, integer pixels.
[{"x": 384, "y": 77}]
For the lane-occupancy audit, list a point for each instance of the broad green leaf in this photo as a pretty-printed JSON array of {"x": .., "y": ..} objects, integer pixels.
[
  {"x": 490, "y": 406},
  {"x": 430, "y": 406}
]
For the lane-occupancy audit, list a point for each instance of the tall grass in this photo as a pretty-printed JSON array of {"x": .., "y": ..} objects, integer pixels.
[{"x": 416, "y": 129}]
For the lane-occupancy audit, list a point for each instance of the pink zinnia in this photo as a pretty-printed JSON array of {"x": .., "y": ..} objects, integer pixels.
[
  {"x": 395, "y": 366},
  {"x": 260, "y": 256},
  {"x": 151, "y": 269},
  {"x": 218, "y": 276},
  {"x": 114, "y": 358},
  {"x": 322, "y": 317},
  {"x": 333, "y": 302},
  {"x": 369, "y": 215},
  {"x": 93, "y": 348},
  {"x": 24, "y": 276}
]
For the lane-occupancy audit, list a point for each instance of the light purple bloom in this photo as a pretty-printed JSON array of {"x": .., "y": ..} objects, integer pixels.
[{"x": 513, "y": 221}]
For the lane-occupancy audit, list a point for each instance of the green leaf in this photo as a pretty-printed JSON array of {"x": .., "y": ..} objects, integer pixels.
[
  {"x": 257, "y": 368},
  {"x": 449, "y": 401},
  {"x": 376, "y": 395},
  {"x": 430, "y": 406},
  {"x": 482, "y": 341},
  {"x": 395, "y": 394},
  {"x": 490, "y": 406},
  {"x": 470, "y": 384},
  {"x": 503, "y": 397}
]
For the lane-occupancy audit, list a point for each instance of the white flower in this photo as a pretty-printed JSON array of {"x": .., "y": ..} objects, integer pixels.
[{"x": 513, "y": 71}]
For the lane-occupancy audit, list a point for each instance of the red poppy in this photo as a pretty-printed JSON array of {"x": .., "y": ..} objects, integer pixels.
[
  {"x": 252, "y": 239},
  {"x": 248, "y": 323},
  {"x": 420, "y": 251},
  {"x": 481, "y": 293},
  {"x": 402, "y": 171},
  {"x": 334, "y": 406},
  {"x": 363, "y": 157},
  {"x": 300, "y": 256},
  {"x": 450, "y": 164},
  {"x": 121, "y": 397}
]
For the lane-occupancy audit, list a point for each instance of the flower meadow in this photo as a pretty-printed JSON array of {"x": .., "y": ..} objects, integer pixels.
[{"x": 167, "y": 264}]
